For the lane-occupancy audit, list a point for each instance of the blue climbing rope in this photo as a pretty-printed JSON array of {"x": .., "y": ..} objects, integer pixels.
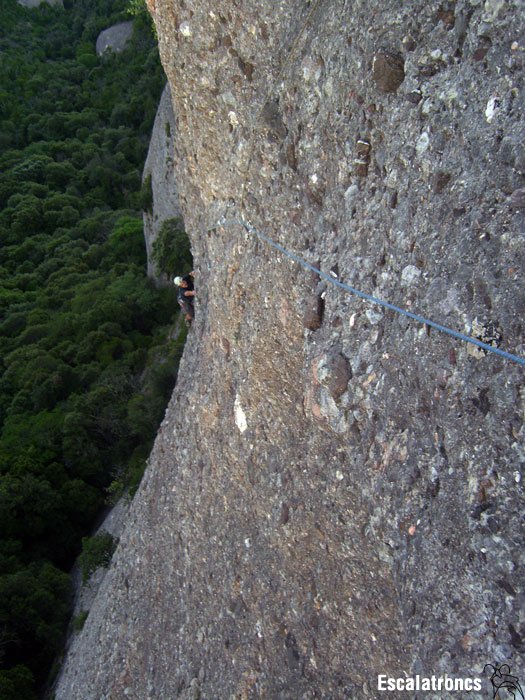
[{"x": 374, "y": 300}]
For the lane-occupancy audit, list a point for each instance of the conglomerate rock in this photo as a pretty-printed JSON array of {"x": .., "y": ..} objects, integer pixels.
[
  {"x": 288, "y": 542},
  {"x": 159, "y": 173}
]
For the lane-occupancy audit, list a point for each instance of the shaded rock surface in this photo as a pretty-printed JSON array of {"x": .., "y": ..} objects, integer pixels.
[
  {"x": 114, "y": 38},
  {"x": 160, "y": 167},
  {"x": 285, "y": 543},
  {"x": 36, "y": 3}
]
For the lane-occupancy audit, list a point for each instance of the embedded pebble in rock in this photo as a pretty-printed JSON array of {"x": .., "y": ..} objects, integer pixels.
[
  {"x": 517, "y": 199},
  {"x": 410, "y": 274},
  {"x": 388, "y": 70},
  {"x": 414, "y": 96},
  {"x": 313, "y": 312},
  {"x": 374, "y": 316},
  {"x": 423, "y": 143},
  {"x": 489, "y": 333},
  {"x": 351, "y": 196},
  {"x": 440, "y": 181},
  {"x": 246, "y": 562},
  {"x": 333, "y": 372}
]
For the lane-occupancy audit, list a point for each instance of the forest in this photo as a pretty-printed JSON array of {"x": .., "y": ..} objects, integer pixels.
[{"x": 87, "y": 357}]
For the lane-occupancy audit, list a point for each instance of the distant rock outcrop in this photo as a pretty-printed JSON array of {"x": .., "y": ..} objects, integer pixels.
[
  {"x": 36, "y": 3},
  {"x": 159, "y": 170},
  {"x": 114, "y": 38}
]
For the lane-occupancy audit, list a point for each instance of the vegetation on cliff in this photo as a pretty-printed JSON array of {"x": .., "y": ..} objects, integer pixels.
[
  {"x": 85, "y": 367},
  {"x": 171, "y": 251}
]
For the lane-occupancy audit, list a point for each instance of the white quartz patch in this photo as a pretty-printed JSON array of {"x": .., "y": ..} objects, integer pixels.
[
  {"x": 410, "y": 274},
  {"x": 491, "y": 108},
  {"x": 423, "y": 143},
  {"x": 240, "y": 416}
]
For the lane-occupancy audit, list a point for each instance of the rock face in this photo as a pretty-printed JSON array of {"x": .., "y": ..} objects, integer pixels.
[
  {"x": 293, "y": 537},
  {"x": 84, "y": 593},
  {"x": 36, "y": 3},
  {"x": 160, "y": 168},
  {"x": 114, "y": 38}
]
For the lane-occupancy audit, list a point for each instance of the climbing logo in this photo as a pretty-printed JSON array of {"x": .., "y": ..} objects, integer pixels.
[{"x": 502, "y": 679}]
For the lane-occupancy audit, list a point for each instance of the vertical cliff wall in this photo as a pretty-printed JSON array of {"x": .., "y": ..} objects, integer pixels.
[
  {"x": 159, "y": 173},
  {"x": 336, "y": 492}
]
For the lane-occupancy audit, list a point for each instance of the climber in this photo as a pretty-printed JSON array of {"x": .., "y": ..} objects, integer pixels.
[{"x": 185, "y": 295}]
